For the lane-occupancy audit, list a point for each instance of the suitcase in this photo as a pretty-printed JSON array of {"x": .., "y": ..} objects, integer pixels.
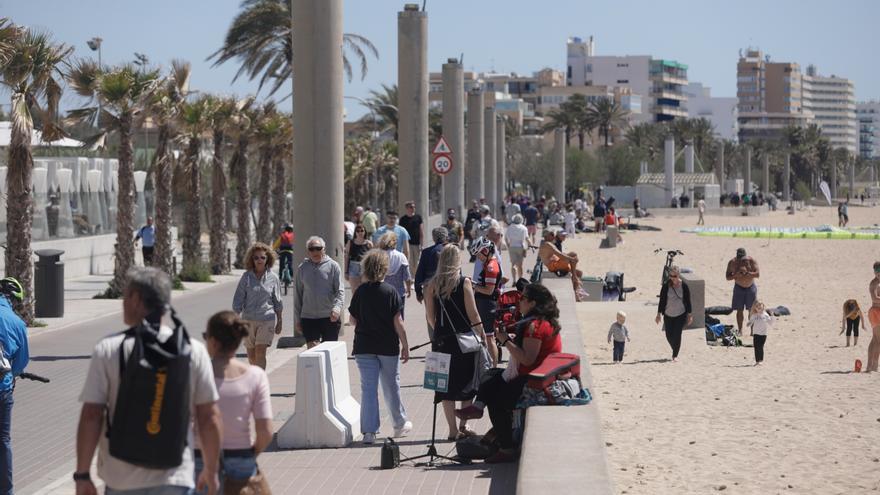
[{"x": 559, "y": 365}]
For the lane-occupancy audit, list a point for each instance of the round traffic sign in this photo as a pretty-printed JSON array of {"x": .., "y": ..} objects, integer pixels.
[{"x": 442, "y": 164}]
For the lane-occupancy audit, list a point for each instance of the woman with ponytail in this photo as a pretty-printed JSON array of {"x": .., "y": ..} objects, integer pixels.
[{"x": 244, "y": 393}]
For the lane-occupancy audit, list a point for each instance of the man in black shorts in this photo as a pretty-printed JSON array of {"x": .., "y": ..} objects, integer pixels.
[{"x": 318, "y": 295}]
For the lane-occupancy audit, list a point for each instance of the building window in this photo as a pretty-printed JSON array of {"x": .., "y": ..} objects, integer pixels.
[
  {"x": 589, "y": 67},
  {"x": 623, "y": 65},
  {"x": 623, "y": 81}
]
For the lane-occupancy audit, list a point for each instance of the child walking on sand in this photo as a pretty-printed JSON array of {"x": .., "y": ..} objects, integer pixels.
[
  {"x": 759, "y": 320},
  {"x": 852, "y": 318},
  {"x": 620, "y": 334}
]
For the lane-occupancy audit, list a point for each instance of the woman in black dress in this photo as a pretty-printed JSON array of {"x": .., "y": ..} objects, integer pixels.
[
  {"x": 450, "y": 309},
  {"x": 675, "y": 309}
]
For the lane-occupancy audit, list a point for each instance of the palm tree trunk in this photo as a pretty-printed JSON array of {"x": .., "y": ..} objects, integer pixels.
[
  {"x": 192, "y": 246},
  {"x": 218, "y": 207},
  {"x": 278, "y": 193},
  {"x": 125, "y": 210},
  {"x": 607, "y": 132},
  {"x": 581, "y": 141},
  {"x": 242, "y": 203},
  {"x": 19, "y": 214},
  {"x": 263, "y": 233},
  {"x": 162, "y": 166}
]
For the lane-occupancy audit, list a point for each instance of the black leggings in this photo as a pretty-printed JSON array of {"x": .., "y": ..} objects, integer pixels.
[
  {"x": 759, "y": 347},
  {"x": 501, "y": 397},
  {"x": 673, "y": 325},
  {"x": 852, "y": 326}
]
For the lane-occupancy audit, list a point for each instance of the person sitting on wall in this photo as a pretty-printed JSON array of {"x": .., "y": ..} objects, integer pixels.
[{"x": 561, "y": 263}]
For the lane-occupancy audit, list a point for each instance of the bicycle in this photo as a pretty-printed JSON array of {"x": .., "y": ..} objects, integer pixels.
[
  {"x": 285, "y": 270},
  {"x": 670, "y": 256}
]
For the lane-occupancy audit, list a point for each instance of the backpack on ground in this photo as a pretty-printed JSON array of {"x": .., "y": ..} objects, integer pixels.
[{"x": 152, "y": 416}]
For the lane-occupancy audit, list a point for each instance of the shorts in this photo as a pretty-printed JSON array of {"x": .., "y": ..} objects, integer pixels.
[
  {"x": 517, "y": 255},
  {"x": 259, "y": 333},
  {"x": 320, "y": 329},
  {"x": 852, "y": 326},
  {"x": 532, "y": 229},
  {"x": 354, "y": 268},
  {"x": 559, "y": 266},
  {"x": 744, "y": 297},
  {"x": 486, "y": 308},
  {"x": 874, "y": 317}
]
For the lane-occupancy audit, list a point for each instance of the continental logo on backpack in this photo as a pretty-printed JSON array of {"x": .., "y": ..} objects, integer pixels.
[{"x": 151, "y": 420}]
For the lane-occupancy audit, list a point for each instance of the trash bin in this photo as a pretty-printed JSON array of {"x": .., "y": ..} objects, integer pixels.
[{"x": 49, "y": 284}]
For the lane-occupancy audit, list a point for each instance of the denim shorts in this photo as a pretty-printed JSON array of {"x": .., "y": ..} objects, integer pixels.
[
  {"x": 236, "y": 468},
  {"x": 354, "y": 268}
]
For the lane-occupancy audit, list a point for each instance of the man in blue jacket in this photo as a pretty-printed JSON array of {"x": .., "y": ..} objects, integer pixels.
[{"x": 13, "y": 338}]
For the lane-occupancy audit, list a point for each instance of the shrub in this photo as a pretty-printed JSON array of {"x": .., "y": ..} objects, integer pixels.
[{"x": 195, "y": 273}]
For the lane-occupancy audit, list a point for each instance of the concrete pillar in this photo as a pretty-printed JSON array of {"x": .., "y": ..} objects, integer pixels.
[
  {"x": 786, "y": 179},
  {"x": 689, "y": 158},
  {"x": 412, "y": 83},
  {"x": 833, "y": 184},
  {"x": 852, "y": 179},
  {"x": 490, "y": 174},
  {"x": 643, "y": 167},
  {"x": 500, "y": 162},
  {"x": 317, "y": 124},
  {"x": 873, "y": 174},
  {"x": 719, "y": 171},
  {"x": 747, "y": 187},
  {"x": 559, "y": 165},
  {"x": 474, "y": 186},
  {"x": 765, "y": 180},
  {"x": 669, "y": 168},
  {"x": 453, "y": 131}
]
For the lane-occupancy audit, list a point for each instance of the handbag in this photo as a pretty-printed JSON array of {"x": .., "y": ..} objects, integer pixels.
[
  {"x": 255, "y": 485},
  {"x": 468, "y": 341},
  {"x": 390, "y": 457}
]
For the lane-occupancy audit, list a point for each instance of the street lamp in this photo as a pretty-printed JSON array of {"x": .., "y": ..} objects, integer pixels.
[{"x": 95, "y": 46}]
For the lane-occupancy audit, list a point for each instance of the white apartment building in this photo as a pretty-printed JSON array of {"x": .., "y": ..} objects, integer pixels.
[
  {"x": 831, "y": 100},
  {"x": 868, "y": 116},
  {"x": 720, "y": 111},
  {"x": 659, "y": 83}
]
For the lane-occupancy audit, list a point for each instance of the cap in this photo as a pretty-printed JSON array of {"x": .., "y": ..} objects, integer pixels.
[{"x": 741, "y": 252}]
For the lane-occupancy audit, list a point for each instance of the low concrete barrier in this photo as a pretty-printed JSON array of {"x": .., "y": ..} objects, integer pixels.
[{"x": 563, "y": 450}]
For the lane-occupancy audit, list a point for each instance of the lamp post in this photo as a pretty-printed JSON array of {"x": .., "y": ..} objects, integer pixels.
[{"x": 95, "y": 46}]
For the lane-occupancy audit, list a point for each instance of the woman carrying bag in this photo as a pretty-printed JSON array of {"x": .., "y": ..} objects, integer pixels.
[{"x": 452, "y": 312}]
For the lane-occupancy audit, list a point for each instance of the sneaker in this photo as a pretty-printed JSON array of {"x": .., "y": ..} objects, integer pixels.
[
  {"x": 403, "y": 430},
  {"x": 369, "y": 439},
  {"x": 469, "y": 412}
]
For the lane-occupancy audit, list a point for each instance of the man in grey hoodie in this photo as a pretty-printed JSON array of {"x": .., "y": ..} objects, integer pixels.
[{"x": 318, "y": 295}]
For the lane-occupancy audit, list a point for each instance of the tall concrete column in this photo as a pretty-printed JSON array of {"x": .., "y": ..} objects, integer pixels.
[
  {"x": 412, "y": 102},
  {"x": 747, "y": 179},
  {"x": 474, "y": 186},
  {"x": 765, "y": 180},
  {"x": 317, "y": 124},
  {"x": 489, "y": 171},
  {"x": 833, "y": 184},
  {"x": 669, "y": 168},
  {"x": 786, "y": 179},
  {"x": 453, "y": 131},
  {"x": 689, "y": 169},
  {"x": 873, "y": 174},
  {"x": 852, "y": 179},
  {"x": 719, "y": 170},
  {"x": 500, "y": 162},
  {"x": 559, "y": 165}
]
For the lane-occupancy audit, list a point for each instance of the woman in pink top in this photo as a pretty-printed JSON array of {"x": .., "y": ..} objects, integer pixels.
[{"x": 244, "y": 392}]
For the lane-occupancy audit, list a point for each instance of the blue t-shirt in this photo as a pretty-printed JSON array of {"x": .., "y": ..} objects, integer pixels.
[
  {"x": 402, "y": 235},
  {"x": 147, "y": 234},
  {"x": 531, "y": 215},
  {"x": 13, "y": 336}
]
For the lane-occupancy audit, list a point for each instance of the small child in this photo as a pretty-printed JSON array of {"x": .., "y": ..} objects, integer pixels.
[
  {"x": 852, "y": 318},
  {"x": 760, "y": 320},
  {"x": 620, "y": 334}
]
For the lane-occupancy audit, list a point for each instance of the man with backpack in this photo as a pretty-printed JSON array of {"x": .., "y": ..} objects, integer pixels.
[
  {"x": 14, "y": 359},
  {"x": 139, "y": 391}
]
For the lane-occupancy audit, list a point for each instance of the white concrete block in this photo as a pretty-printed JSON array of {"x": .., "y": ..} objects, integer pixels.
[
  {"x": 611, "y": 237},
  {"x": 325, "y": 414},
  {"x": 94, "y": 181},
  {"x": 140, "y": 180},
  {"x": 38, "y": 180},
  {"x": 63, "y": 179}
]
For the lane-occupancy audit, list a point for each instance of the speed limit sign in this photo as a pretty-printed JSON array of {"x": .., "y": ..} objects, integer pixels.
[{"x": 442, "y": 164}]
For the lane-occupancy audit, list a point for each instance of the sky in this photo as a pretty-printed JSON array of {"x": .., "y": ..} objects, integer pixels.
[{"x": 504, "y": 36}]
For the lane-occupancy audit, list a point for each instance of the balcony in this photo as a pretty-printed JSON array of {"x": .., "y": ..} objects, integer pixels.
[
  {"x": 677, "y": 111},
  {"x": 667, "y": 78}
]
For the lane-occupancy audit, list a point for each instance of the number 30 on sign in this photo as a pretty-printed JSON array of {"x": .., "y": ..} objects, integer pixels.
[{"x": 442, "y": 164}]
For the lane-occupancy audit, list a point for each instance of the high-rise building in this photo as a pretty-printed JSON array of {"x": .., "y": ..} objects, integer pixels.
[
  {"x": 720, "y": 111},
  {"x": 868, "y": 115},
  {"x": 768, "y": 96},
  {"x": 659, "y": 83},
  {"x": 832, "y": 102}
]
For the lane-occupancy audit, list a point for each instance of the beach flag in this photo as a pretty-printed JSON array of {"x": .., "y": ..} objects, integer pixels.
[{"x": 823, "y": 186}]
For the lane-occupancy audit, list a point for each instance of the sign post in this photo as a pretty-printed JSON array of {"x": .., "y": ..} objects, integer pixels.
[{"x": 442, "y": 162}]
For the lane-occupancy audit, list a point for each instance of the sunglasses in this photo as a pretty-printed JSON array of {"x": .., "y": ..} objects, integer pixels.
[
  {"x": 673, "y": 276},
  {"x": 260, "y": 258},
  {"x": 316, "y": 248}
]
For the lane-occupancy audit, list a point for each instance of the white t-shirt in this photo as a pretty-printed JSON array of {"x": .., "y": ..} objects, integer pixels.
[
  {"x": 760, "y": 323},
  {"x": 101, "y": 387},
  {"x": 701, "y": 205},
  {"x": 516, "y": 235}
]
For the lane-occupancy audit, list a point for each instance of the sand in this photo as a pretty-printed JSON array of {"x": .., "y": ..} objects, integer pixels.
[{"x": 800, "y": 423}]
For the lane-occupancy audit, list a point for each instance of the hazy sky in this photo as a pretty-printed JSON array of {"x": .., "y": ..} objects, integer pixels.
[{"x": 510, "y": 35}]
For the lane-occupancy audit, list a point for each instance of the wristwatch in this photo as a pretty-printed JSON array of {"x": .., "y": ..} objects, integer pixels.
[{"x": 85, "y": 476}]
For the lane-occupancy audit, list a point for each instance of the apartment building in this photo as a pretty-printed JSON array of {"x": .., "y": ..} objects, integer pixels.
[
  {"x": 720, "y": 111},
  {"x": 832, "y": 102},
  {"x": 768, "y": 96},
  {"x": 868, "y": 116},
  {"x": 659, "y": 83}
]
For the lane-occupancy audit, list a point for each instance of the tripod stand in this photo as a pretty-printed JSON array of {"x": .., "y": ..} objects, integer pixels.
[{"x": 432, "y": 454}]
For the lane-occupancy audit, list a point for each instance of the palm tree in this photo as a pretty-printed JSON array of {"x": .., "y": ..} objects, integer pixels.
[
  {"x": 242, "y": 131},
  {"x": 282, "y": 151},
  {"x": 606, "y": 114},
  {"x": 383, "y": 107},
  {"x": 30, "y": 71},
  {"x": 568, "y": 117},
  {"x": 644, "y": 137},
  {"x": 223, "y": 110},
  {"x": 260, "y": 38},
  {"x": 119, "y": 97},
  {"x": 195, "y": 121},
  {"x": 164, "y": 109},
  {"x": 269, "y": 131}
]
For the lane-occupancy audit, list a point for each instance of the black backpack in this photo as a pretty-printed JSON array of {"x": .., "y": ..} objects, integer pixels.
[{"x": 152, "y": 417}]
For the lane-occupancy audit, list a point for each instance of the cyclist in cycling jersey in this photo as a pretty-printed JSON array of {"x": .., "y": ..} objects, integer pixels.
[
  {"x": 14, "y": 359},
  {"x": 284, "y": 246}
]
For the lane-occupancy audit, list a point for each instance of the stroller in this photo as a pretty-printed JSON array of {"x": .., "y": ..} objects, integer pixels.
[{"x": 718, "y": 333}]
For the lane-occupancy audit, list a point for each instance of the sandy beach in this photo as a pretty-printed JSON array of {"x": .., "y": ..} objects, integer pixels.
[{"x": 800, "y": 423}]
